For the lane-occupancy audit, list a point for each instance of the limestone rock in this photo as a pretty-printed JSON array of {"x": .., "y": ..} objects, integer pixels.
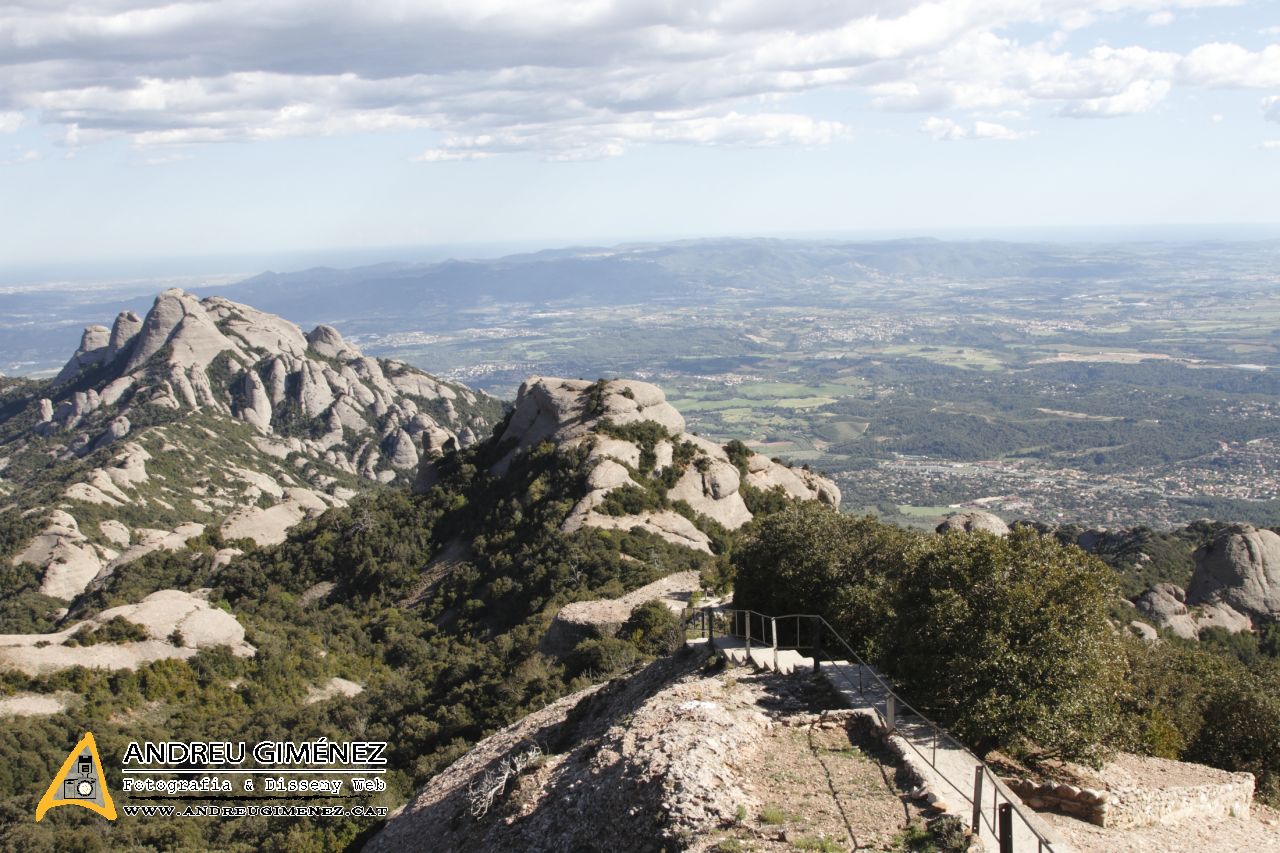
[
  {"x": 178, "y": 625},
  {"x": 1144, "y": 631},
  {"x": 399, "y": 450},
  {"x": 178, "y": 321},
  {"x": 325, "y": 341}
]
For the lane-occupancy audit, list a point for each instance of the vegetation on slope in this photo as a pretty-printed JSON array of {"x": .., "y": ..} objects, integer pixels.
[
  {"x": 447, "y": 651},
  {"x": 1007, "y": 641}
]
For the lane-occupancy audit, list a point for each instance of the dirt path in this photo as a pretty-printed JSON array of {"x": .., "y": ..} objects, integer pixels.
[{"x": 821, "y": 787}]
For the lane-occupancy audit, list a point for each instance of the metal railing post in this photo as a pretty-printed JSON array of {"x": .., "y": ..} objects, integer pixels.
[
  {"x": 1006, "y": 828},
  {"x": 889, "y": 711},
  {"x": 773, "y": 634},
  {"x": 977, "y": 799},
  {"x": 748, "y": 619},
  {"x": 817, "y": 645}
]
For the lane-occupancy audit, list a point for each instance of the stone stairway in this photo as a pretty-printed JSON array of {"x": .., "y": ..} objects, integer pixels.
[{"x": 946, "y": 769}]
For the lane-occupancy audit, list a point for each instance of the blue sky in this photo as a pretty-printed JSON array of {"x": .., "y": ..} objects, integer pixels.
[{"x": 137, "y": 130}]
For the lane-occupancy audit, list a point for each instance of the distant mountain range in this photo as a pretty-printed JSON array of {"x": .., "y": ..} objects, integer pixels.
[{"x": 435, "y": 296}]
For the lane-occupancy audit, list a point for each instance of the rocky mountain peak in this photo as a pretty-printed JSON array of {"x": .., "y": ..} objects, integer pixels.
[
  {"x": 642, "y": 469},
  {"x": 209, "y": 413}
]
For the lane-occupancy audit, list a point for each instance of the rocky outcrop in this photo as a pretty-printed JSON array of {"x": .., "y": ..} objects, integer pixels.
[
  {"x": 177, "y": 624},
  {"x": 974, "y": 520},
  {"x": 177, "y": 388},
  {"x": 92, "y": 350},
  {"x": 215, "y": 355},
  {"x": 638, "y": 759},
  {"x": 634, "y": 438},
  {"x": 1166, "y": 605},
  {"x": 1239, "y": 570}
]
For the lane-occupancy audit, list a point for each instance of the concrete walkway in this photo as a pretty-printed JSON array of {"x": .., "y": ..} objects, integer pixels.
[{"x": 947, "y": 767}]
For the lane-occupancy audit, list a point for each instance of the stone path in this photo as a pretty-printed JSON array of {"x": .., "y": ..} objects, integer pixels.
[{"x": 947, "y": 767}]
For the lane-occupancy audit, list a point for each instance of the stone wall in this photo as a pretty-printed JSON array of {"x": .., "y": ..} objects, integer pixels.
[{"x": 1130, "y": 806}]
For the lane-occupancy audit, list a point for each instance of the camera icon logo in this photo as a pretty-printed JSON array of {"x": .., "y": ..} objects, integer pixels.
[
  {"x": 79, "y": 789},
  {"x": 80, "y": 782}
]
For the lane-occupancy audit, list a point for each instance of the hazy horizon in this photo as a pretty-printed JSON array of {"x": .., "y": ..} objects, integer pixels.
[{"x": 230, "y": 265}]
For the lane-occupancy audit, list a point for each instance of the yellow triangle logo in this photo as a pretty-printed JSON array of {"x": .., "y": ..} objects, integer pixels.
[{"x": 80, "y": 782}]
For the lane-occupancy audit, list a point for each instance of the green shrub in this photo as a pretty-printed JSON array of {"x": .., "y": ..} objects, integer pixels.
[
  {"x": 773, "y": 816},
  {"x": 653, "y": 629}
]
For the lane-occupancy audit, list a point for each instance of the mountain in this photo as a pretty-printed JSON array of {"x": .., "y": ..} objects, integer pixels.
[
  {"x": 640, "y": 468},
  {"x": 427, "y": 621},
  {"x": 206, "y": 418}
]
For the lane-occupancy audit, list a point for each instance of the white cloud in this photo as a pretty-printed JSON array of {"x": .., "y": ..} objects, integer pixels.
[
  {"x": 1138, "y": 97},
  {"x": 1270, "y": 145},
  {"x": 1231, "y": 65},
  {"x": 10, "y": 122},
  {"x": 573, "y": 79},
  {"x": 29, "y": 155},
  {"x": 1162, "y": 18},
  {"x": 947, "y": 130}
]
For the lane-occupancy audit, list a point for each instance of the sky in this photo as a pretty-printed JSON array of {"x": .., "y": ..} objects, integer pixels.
[{"x": 144, "y": 130}]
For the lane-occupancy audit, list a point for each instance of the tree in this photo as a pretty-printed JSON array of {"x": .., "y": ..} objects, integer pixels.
[
  {"x": 1007, "y": 640},
  {"x": 810, "y": 558},
  {"x": 653, "y": 629},
  {"x": 1241, "y": 730}
]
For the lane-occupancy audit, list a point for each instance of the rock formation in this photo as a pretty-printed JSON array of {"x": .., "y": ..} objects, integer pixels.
[
  {"x": 974, "y": 520},
  {"x": 246, "y": 424},
  {"x": 634, "y": 438},
  {"x": 1239, "y": 571}
]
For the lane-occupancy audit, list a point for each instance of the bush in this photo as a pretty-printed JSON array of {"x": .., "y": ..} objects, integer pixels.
[
  {"x": 1240, "y": 733},
  {"x": 1007, "y": 640},
  {"x": 773, "y": 816},
  {"x": 605, "y": 656},
  {"x": 810, "y": 558},
  {"x": 653, "y": 629}
]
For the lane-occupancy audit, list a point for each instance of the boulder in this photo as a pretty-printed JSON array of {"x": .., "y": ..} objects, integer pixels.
[
  {"x": 1165, "y": 604},
  {"x": 1239, "y": 568},
  {"x": 327, "y": 342},
  {"x": 968, "y": 522}
]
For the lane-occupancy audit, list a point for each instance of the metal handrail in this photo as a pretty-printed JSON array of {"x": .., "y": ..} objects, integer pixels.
[{"x": 999, "y": 790}]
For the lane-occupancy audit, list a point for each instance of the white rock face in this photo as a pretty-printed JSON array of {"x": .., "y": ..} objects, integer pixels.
[
  {"x": 575, "y": 413},
  {"x": 1166, "y": 604},
  {"x": 123, "y": 331},
  {"x": 1241, "y": 569},
  {"x": 325, "y": 341},
  {"x": 69, "y": 561},
  {"x": 178, "y": 624},
  {"x": 178, "y": 320},
  {"x": 270, "y": 526},
  {"x": 92, "y": 350},
  {"x": 332, "y": 689}
]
